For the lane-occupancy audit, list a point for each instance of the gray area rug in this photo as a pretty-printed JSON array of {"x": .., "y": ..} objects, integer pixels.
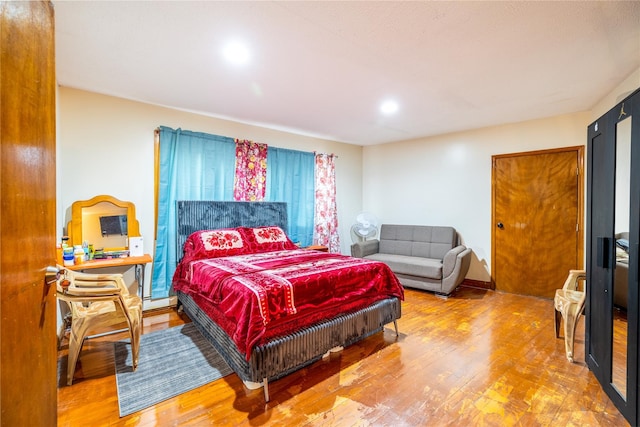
[{"x": 171, "y": 362}]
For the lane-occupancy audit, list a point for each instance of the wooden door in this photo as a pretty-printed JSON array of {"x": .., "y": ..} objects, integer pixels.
[
  {"x": 537, "y": 220},
  {"x": 28, "y": 360}
]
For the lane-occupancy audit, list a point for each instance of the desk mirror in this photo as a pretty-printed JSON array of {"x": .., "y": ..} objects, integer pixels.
[{"x": 103, "y": 221}]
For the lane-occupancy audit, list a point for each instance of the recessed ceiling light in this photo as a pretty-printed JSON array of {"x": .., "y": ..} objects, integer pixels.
[
  {"x": 389, "y": 107},
  {"x": 236, "y": 53}
]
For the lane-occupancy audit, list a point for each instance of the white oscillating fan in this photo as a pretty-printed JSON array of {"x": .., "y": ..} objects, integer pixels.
[{"x": 365, "y": 227}]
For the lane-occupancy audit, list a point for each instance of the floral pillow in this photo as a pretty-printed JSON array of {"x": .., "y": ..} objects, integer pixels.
[
  {"x": 267, "y": 239},
  {"x": 214, "y": 243}
]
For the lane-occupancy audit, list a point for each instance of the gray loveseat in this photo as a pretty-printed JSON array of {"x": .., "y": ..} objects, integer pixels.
[{"x": 424, "y": 257}]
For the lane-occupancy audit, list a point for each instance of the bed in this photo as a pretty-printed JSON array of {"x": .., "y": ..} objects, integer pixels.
[{"x": 268, "y": 307}]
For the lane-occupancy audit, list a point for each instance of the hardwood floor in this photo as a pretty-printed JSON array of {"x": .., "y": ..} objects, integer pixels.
[{"x": 478, "y": 358}]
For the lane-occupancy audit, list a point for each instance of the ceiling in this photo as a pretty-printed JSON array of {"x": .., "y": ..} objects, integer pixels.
[{"x": 323, "y": 68}]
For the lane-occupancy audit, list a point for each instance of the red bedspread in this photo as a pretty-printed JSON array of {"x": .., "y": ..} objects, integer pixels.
[{"x": 258, "y": 296}]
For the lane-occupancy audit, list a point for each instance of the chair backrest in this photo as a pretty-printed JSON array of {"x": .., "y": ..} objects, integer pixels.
[
  {"x": 81, "y": 287},
  {"x": 575, "y": 279}
]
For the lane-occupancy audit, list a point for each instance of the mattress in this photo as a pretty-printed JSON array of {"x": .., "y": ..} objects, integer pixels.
[{"x": 256, "y": 297}]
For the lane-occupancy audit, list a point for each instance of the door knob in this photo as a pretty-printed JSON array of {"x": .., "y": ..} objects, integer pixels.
[
  {"x": 51, "y": 274},
  {"x": 500, "y": 225}
]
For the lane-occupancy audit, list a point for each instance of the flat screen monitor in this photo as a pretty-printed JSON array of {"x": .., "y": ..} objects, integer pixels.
[{"x": 113, "y": 225}]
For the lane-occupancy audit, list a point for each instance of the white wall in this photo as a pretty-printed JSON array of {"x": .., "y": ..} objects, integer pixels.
[
  {"x": 106, "y": 146},
  {"x": 446, "y": 180}
]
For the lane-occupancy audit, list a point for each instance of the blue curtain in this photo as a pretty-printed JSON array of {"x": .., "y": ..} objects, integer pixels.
[
  {"x": 193, "y": 166},
  {"x": 290, "y": 178}
]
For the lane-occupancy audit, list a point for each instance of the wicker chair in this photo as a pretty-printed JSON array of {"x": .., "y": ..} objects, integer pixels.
[
  {"x": 569, "y": 304},
  {"x": 96, "y": 301}
]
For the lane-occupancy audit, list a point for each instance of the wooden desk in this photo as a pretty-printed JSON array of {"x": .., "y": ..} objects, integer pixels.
[{"x": 137, "y": 261}]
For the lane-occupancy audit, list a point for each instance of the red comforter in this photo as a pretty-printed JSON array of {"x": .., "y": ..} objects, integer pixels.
[{"x": 259, "y": 296}]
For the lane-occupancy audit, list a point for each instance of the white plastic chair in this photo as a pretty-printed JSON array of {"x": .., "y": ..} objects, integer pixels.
[
  {"x": 569, "y": 304},
  {"x": 96, "y": 301}
]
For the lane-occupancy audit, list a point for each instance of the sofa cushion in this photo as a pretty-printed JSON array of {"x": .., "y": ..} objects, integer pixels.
[
  {"x": 410, "y": 265},
  {"x": 417, "y": 240}
]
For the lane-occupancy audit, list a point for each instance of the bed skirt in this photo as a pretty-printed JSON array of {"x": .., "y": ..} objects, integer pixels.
[{"x": 284, "y": 355}]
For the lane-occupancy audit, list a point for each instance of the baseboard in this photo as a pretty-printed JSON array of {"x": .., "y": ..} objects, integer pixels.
[{"x": 477, "y": 284}]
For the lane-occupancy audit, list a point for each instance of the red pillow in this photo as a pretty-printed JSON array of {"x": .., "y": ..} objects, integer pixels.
[
  {"x": 214, "y": 243},
  {"x": 266, "y": 239}
]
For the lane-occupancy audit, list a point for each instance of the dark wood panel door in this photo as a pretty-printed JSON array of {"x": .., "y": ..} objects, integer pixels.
[
  {"x": 28, "y": 221},
  {"x": 537, "y": 211},
  {"x": 613, "y": 206},
  {"x": 600, "y": 253}
]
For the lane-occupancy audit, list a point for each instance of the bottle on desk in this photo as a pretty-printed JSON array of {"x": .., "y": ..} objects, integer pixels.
[
  {"x": 65, "y": 252},
  {"x": 78, "y": 254},
  {"x": 67, "y": 257}
]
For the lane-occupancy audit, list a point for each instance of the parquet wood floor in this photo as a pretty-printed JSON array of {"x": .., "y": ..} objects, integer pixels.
[{"x": 477, "y": 358}]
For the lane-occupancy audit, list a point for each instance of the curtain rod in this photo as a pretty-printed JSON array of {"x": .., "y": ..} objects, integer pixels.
[
  {"x": 156, "y": 132},
  {"x": 332, "y": 155}
]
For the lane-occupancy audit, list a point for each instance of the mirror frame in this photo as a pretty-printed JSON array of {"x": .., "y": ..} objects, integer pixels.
[{"x": 74, "y": 227}]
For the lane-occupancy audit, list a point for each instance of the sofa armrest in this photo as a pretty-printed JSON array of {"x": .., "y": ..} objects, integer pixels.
[
  {"x": 450, "y": 259},
  {"x": 455, "y": 266},
  {"x": 362, "y": 249}
]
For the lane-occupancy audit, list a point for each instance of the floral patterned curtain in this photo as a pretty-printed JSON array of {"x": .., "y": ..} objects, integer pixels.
[
  {"x": 251, "y": 171},
  {"x": 326, "y": 212}
]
